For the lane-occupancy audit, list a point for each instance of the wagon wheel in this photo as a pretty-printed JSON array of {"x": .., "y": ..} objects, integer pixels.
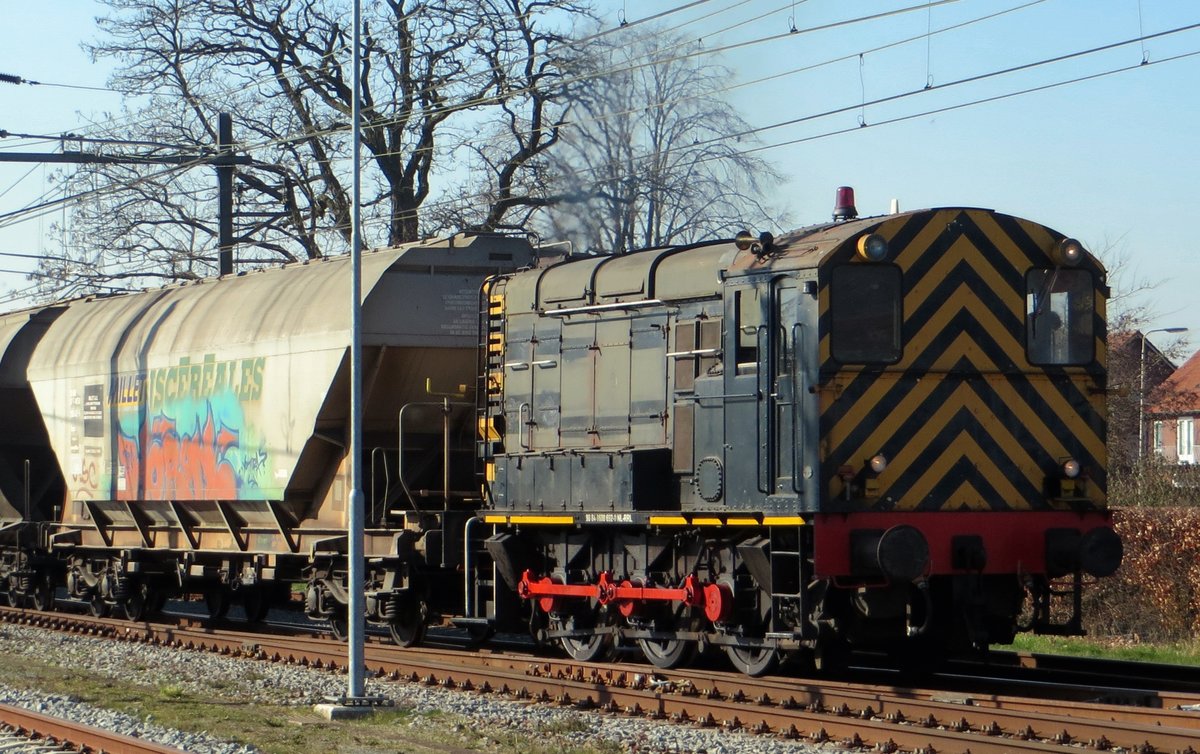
[
  {"x": 668, "y": 653},
  {"x": 216, "y": 601},
  {"x": 43, "y": 593},
  {"x": 97, "y": 607},
  {"x": 135, "y": 605},
  {"x": 339, "y": 625},
  {"x": 593, "y": 648},
  {"x": 15, "y": 598},
  {"x": 752, "y": 660},
  {"x": 408, "y": 626},
  {"x": 588, "y": 649},
  {"x": 255, "y": 603}
]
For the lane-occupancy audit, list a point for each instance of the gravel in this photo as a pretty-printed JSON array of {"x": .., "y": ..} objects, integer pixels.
[{"x": 251, "y": 681}]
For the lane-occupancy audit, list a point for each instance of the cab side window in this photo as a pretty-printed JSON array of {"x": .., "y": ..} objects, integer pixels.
[{"x": 749, "y": 320}]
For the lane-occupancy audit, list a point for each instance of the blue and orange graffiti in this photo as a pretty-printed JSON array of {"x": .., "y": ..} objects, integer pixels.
[{"x": 191, "y": 444}]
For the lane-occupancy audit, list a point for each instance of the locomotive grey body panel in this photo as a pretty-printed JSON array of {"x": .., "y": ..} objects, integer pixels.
[
  {"x": 661, "y": 370},
  {"x": 757, "y": 411}
]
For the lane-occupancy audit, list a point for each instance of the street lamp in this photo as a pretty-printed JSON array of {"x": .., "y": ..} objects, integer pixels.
[{"x": 1142, "y": 387}]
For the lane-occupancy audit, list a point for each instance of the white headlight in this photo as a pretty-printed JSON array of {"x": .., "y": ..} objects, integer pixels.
[
  {"x": 1069, "y": 252},
  {"x": 878, "y": 463},
  {"x": 1071, "y": 469}
]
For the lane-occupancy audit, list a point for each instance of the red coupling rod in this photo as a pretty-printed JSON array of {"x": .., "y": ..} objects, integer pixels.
[{"x": 716, "y": 599}]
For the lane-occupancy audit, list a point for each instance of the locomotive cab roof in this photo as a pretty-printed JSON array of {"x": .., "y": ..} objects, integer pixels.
[{"x": 696, "y": 270}]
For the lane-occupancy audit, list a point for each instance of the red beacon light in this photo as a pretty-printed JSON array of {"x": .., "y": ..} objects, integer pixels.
[{"x": 843, "y": 204}]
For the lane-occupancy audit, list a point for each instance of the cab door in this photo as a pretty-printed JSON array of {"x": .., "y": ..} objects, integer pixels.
[
  {"x": 746, "y": 420},
  {"x": 784, "y": 398}
]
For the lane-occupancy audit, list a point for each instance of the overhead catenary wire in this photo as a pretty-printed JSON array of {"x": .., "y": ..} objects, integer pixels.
[
  {"x": 965, "y": 80},
  {"x": 579, "y": 78},
  {"x": 972, "y": 103},
  {"x": 342, "y": 50},
  {"x": 70, "y": 136},
  {"x": 53, "y": 203},
  {"x": 911, "y": 116},
  {"x": 649, "y": 157},
  {"x": 661, "y": 61},
  {"x": 952, "y": 107},
  {"x": 792, "y": 121},
  {"x": 19, "y": 180},
  {"x": 333, "y": 53},
  {"x": 493, "y": 99},
  {"x": 847, "y": 130},
  {"x": 9, "y": 78},
  {"x": 521, "y": 91},
  {"x": 458, "y": 201}
]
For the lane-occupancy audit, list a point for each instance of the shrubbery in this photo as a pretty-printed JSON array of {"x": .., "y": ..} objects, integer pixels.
[{"x": 1155, "y": 596}]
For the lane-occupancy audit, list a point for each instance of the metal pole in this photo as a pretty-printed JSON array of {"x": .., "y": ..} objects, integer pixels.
[
  {"x": 1142, "y": 401},
  {"x": 446, "y": 480},
  {"x": 225, "y": 195},
  {"x": 354, "y": 588}
]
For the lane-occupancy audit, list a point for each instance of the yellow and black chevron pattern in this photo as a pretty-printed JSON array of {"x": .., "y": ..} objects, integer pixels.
[{"x": 965, "y": 421}]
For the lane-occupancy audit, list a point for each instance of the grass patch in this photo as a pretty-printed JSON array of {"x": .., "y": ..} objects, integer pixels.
[
  {"x": 568, "y": 725},
  {"x": 1169, "y": 653},
  {"x": 278, "y": 729},
  {"x": 171, "y": 691}
]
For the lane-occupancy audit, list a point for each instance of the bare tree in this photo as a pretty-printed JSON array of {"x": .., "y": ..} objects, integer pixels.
[
  {"x": 1135, "y": 369},
  {"x": 651, "y": 154},
  {"x": 436, "y": 74}
]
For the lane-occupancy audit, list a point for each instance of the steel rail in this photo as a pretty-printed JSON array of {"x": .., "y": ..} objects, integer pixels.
[
  {"x": 1095, "y": 669},
  {"x": 81, "y": 737},
  {"x": 886, "y": 717}
]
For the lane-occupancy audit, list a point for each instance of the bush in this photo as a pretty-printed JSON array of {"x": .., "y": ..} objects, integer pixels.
[
  {"x": 1153, "y": 482},
  {"x": 1155, "y": 596}
]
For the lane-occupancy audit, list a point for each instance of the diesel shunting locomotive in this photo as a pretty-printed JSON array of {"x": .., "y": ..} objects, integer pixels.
[{"x": 884, "y": 432}]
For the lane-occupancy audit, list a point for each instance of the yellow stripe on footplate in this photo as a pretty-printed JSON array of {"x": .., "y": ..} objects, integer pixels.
[
  {"x": 742, "y": 522},
  {"x": 782, "y": 521},
  {"x": 706, "y": 521},
  {"x": 494, "y": 519},
  {"x": 541, "y": 520},
  {"x": 668, "y": 520}
]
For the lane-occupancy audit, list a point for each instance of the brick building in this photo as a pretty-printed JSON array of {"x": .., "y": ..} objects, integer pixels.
[
  {"x": 1173, "y": 415},
  {"x": 1125, "y": 384}
]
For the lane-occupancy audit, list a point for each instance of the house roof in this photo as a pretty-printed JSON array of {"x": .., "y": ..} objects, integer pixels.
[
  {"x": 1121, "y": 340},
  {"x": 1131, "y": 341},
  {"x": 1179, "y": 393}
]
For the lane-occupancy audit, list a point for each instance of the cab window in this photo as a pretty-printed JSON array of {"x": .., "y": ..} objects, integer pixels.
[
  {"x": 1059, "y": 311},
  {"x": 748, "y": 320},
  {"x": 865, "y": 314}
]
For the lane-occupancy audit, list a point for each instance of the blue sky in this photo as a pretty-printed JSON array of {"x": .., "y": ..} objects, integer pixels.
[{"x": 1113, "y": 161}]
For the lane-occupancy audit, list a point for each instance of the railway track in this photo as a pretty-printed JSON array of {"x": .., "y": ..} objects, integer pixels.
[
  {"x": 27, "y": 731},
  {"x": 1090, "y": 670},
  {"x": 962, "y": 714}
]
